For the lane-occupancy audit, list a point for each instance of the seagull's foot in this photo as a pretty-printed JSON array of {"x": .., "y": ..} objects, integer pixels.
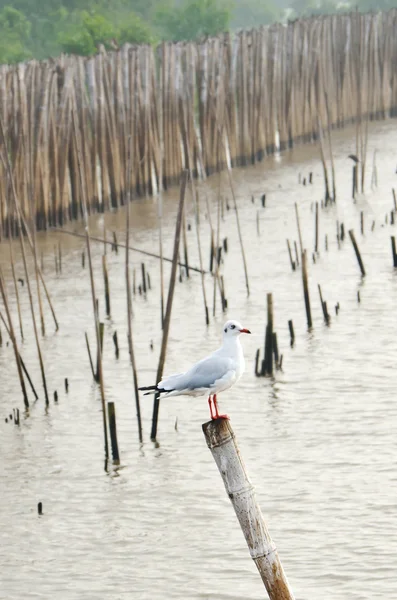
[{"x": 225, "y": 417}]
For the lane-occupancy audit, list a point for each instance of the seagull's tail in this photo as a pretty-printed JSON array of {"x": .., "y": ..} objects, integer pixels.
[{"x": 153, "y": 389}]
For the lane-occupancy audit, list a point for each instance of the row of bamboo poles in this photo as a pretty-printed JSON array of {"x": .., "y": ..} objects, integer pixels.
[{"x": 201, "y": 106}]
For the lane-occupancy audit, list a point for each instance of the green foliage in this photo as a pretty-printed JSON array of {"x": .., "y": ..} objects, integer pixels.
[
  {"x": 253, "y": 13},
  {"x": 43, "y": 28},
  {"x": 14, "y": 32},
  {"x": 135, "y": 30},
  {"x": 193, "y": 19},
  {"x": 85, "y": 33}
]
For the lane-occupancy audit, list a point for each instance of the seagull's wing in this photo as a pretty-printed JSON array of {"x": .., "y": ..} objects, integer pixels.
[
  {"x": 202, "y": 375},
  {"x": 209, "y": 370}
]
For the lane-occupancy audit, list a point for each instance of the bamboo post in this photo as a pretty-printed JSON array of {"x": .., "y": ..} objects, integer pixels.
[
  {"x": 20, "y": 358},
  {"x": 393, "y": 249},
  {"x": 316, "y": 231},
  {"x": 113, "y": 433},
  {"x": 90, "y": 356},
  {"x": 306, "y": 290},
  {"x": 138, "y": 250},
  {"x": 221, "y": 441},
  {"x": 106, "y": 283},
  {"x": 293, "y": 266},
  {"x": 291, "y": 331},
  {"x": 99, "y": 352},
  {"x": 357, "y": 251},
  {"x": 299, "y": 228},
  {"x": 167, "y": 317},
  {"x": 13, "y": 339},
  {"x": 116, "y": 344},
  {"x": 93, "y": 294},
  {"x": 267, "y": 363},
  {"x": 128, "y": 291},
  {"x": 323, "y": 306}
]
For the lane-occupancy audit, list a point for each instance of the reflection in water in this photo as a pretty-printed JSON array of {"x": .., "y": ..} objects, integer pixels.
[{"x": 318, "y": 438}]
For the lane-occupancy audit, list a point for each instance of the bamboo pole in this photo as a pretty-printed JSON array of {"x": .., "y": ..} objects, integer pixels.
[
  {"x": 357, "y": 251},
  {"x": 13, "y": 339},
  {"x": 128, "y": 292},
  {"x": 93, "y": 294},
  {"x": 167, "y": 318},
  {"x": 221, "y": 441},
  {"x": 306, "y": 290},
  {"x": 15, "y": 281},
  {"x": 20, "y": 357},
  {"x": 145, "y": 252}
]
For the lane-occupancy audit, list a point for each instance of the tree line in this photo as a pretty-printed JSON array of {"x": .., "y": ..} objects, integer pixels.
[{"x": 45, "y": 28}]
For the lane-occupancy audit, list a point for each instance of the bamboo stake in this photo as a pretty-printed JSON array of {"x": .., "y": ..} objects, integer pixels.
[
  {"x": 128, "y": 291},
  {"x": 93, "y": 294},
  {"x": 20, "y": 357},
  {"x": 13, "y": 339},
  {"x": 113, "y": 433},
  {"x": 167, "y": 319},
  {"x": 357, "y": 251},
  {"x": 299, "y": 228},
  {"x": 196, "y": 201},
  {"x": 221, "y": 440},
  {"x": 306, "y": 290},
  {"x": 15, "y": 281},
  {"x": 90, "y": 357},
  {"x": 106, "y": 282},
  {"x": 293, "y": 266},
  {"x": 145, "y": 252}
]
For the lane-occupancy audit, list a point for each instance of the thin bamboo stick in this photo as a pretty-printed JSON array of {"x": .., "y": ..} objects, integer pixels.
[
  {"x": 128, "y": 291},
  {"x": 167, "y": 318},
  {"x": 13, "y": 339}
]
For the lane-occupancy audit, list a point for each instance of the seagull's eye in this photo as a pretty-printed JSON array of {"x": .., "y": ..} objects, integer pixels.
[
  {"x": 225, "y": 330},
  {"x": 232, "y": 327}
]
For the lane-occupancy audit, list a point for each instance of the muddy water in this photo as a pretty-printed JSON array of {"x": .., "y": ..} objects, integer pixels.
[{"x": 319, "y": 439}]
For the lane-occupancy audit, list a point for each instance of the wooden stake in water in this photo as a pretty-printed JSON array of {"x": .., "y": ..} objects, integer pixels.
[
  {"x": 221, "y": 441},
  {"x": 20, "y": 358},
  {"x": 13, "y": 339},
  {"x": 113, "y": 433},
  {"x": 93, "y": 294},
  {"x": 293, "y": 266},
  {"x": 267, "y": 363},
  {"x": 128, "y": 291},
  {"x": 299, "y": 228},
  {"x": 167, "y": 318},
  {"x": 306, "y": 290},
  {"x": 291, "y": 331},
  {"x": 106, "y": 283},
  {"x": 357, "y": 251},
  {"x": 323, "y": 306},
  {"x": 15, "y": 280},
  {"x": 196, "y": 200},
  {"x": 393, "y": 249},
  {"x": 316, "y": 231}
]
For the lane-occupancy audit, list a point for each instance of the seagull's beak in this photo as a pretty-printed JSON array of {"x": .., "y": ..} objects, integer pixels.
[{"x": 245, "y": 331}]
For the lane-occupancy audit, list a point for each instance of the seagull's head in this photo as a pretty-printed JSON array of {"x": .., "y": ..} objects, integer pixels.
[{"x": 233, "y": 329}]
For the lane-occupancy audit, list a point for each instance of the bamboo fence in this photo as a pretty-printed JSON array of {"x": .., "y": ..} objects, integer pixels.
[{"x": 248, "y": 94}]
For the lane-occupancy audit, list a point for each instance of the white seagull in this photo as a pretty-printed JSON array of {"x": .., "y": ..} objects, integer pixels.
[{"x": 211, "y": 375}]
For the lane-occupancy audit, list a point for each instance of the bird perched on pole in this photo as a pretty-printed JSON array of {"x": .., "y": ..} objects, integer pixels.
[{"x": 211, "y": 375}]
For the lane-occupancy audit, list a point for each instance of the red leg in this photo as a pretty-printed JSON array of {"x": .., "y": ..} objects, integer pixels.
[
  {"x": 210, "y": 405},
  {"x": 217, "y": 415}
]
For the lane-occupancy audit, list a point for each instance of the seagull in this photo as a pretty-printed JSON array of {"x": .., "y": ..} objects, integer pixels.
[{"x": 211, "y": 375}]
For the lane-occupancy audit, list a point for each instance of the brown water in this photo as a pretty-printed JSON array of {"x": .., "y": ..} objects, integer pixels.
[{"x": 319, "y": 439}]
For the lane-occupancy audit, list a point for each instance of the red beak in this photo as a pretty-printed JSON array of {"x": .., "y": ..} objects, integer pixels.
[{"x": 245, "y": 331}]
